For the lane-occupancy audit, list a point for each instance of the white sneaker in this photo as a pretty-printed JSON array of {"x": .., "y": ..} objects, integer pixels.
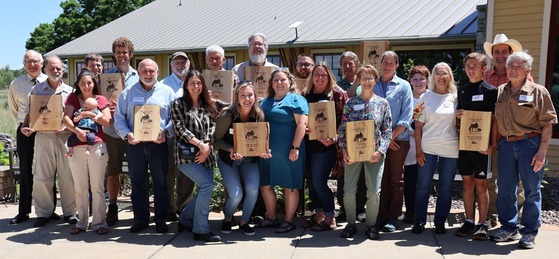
[
  {"x": 528, "y": 241},
  {"x": 503, "y": 235}
]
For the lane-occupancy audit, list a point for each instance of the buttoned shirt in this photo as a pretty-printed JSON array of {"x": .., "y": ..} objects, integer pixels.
[
  {"x": 135, "y": 95},
  {"x": 399, "y": 95},
  {"x": 18, "y": 94},
  {"x": 44, "y": 88},
  {"x": 174, "y": 82},
  {"x": 496, "y": 80},
  {"x": 525, "y": 111},
  {"x": 130, "y": 78},
  {"x": 239, "y": 69}
]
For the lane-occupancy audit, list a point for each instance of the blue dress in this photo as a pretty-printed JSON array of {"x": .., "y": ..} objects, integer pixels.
[{"x": 279, "y": 170}]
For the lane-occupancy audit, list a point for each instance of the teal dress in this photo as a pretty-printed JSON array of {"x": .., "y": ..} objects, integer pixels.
[{"x": 279, "y": 170}]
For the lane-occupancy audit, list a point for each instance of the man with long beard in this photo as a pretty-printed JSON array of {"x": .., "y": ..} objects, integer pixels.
[{"x": 257, "y": 51}]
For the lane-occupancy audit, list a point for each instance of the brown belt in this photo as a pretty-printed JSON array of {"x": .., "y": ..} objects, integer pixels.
[{"x": 521, "y": 137}]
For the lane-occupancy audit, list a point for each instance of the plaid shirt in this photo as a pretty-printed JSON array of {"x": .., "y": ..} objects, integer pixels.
[{"x": 192, "y": 123}]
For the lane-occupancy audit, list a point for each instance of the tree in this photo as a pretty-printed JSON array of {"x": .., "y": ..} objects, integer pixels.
[{"x": 78, "y": 18}]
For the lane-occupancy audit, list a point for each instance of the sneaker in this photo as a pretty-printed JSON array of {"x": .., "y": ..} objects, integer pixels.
[
  {"x": 480, "y": 233},
  {"x": 372, "y": 233},
  {"x": 361, "y": 217},
  {"x": 465, "y": 230},
  {"x": 247, "y": 229},
  {"x": 390, "y": 226},
  {"x": 349, "y": 231},
  {"x": 226, "y": 227},
  {"x": 440, "y": 229},
  {"x": 528, "y": 241},
  {"x": 418, "y": 228},
  {"x": 503, "y": 235}
]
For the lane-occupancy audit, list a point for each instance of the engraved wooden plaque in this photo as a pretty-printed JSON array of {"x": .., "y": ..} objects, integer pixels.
[
  {"x": 251, "y": 138},
  {"x": 220, "y": 83},
  {"x": 360, "y": 139},
  {"x": 111, "y": 86},
  {"x": 475, "y": 129},
  {"x": 146, "y": 122},
  {"x": 300, "y": 84},
  {"x": 322, "y": 120},
  {"x": 260, "y": 77},
  {"x": 45, "y": 112},
  {"x": 371, "y": 52}
]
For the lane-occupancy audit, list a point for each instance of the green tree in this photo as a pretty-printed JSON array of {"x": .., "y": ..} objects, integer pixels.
[{"x": 78, "y": 18}]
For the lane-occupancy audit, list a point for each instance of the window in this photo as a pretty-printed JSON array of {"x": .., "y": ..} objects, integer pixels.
[
  {"x": 229, "y": 62},
  {"x": 428, "y": 58},
  {"x": 274, "y": 59},
  {"x": 333, "y": 60}
]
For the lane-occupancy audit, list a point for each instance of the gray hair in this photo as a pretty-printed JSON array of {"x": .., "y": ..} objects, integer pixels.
[
  {"x": 32, "y": 51},
  {"x": 48, "y": 57},
  {"x": 215, "y": 48},
  {"x": 521, "y": 56},
  {"x": 264, "y": 38},
  {"x": 349, "y": 54},
  {"x": 393, "y": 54}
]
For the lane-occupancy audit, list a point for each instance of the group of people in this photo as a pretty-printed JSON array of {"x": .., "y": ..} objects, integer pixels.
[{"x": 415, "y": 133}]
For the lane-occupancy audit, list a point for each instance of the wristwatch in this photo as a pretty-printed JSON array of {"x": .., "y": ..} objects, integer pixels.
[{"x": 294, "y": 147}]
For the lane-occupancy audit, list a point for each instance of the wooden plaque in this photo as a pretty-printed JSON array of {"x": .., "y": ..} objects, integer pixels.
[
  {"x": 300, "y": 84},
  {"x": 360, "y": 139},
  {"x": 146, "y": 122},
  {"x": 111, "y": 86},
  {"x": 322, "y": 120},
  {"x": 475, "y": 129},
  {"x": 220, "y": 83},
  {"x": 251, "y": 138},
  {"x": 45, "y": 112},
  {"x": 371, "y": 52},
  {"x": 260, "y": 77}
]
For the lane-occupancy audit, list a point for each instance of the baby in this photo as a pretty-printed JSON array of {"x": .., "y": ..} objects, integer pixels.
[{"x": 87, "y": 124}]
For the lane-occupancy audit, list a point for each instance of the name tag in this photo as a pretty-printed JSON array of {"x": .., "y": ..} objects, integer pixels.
[
  {"x": 391, "y": 87},
  {"x": 477, "y": 98},
  {"x": 359, "y": 107},
  {"x": 138, "y": 99},
  {"x": 275, "y": 103},
  {"x": 231, "y": 131},
  {"x": 526, "y": 98}
]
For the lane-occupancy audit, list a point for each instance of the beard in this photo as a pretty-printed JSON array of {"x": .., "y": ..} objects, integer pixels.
[
  {"x": 55, "y": 78},
  {"x": 258, "y": 58}
]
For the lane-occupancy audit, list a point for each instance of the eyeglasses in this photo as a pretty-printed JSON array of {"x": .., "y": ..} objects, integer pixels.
[
  {"x": 320, "y": 75},
  {"x": 441, "y": 75},
  {"x": 305, "y": 65},
  {"x": 30, "y": 61},
  {"x": 368, "y": 79}
]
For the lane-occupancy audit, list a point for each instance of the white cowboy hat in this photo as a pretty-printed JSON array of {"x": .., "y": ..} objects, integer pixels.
[{"x": 501, "y": 39}]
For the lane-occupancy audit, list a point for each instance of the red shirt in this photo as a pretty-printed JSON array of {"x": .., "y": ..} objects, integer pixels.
[{"x": 102, "y": 103}]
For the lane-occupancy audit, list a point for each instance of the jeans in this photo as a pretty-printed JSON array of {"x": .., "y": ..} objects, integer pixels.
[
  {"x": 196, "y": 212},
  {"x": 319, "y": 167},
  {"x": 247, "y": 168},
  {"x": 142, "y": 156},
  {"x": 514, "y": 163},
  {"x": 446, "y": 168}
]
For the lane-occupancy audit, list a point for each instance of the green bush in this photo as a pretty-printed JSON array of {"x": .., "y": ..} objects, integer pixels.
[{"x": 4, "y": 156}]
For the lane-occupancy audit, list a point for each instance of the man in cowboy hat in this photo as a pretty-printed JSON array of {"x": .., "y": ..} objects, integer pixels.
[{"x": 499, "y": 51}]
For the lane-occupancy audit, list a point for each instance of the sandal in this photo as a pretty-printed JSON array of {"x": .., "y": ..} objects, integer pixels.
[
  {"x": 268, "y": 223},
  {"x": 102, "y": 231},
  {"x": 323, "y": 226},
  {"x": 309, "y": 223},
  {"x": 285, "y": 227},
  {"x": 76, "y": 230}
]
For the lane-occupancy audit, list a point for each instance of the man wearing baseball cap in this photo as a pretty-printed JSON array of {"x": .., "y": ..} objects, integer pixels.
[
  {"x": 179, "y": 66},
  {"x": 501, "y": 48}
]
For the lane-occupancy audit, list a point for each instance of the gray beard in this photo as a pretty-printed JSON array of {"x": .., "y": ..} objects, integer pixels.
[{"x": 258, "y": 58}]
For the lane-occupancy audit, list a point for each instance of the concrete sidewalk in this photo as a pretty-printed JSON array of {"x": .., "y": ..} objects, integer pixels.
[{"x": 54, "y": 240}]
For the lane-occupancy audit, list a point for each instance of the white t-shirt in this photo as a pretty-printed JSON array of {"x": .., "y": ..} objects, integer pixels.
[{"x": 439, "y": 136}]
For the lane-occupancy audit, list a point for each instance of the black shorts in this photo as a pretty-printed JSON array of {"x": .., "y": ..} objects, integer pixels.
[{"x": 473, "y": 163}]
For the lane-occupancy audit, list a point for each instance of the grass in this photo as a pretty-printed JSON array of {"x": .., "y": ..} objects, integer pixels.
[{"x": 7, "y": 123}]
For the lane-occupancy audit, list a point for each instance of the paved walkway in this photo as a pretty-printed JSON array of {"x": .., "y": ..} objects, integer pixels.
[{"x": 54, "y": 240}]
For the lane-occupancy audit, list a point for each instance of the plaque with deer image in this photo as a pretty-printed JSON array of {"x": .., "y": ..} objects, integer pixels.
[
  {"x": 360, "y": 140},
  {"x": 475, "y": 129},
  {"x": 45, "y": 112},
  {"x": 251, "y": 138},
  {"x": 146, "y": 122},
  {"x": 322, "y": 120},
  {"x": 111, "y": 85},
  {"x": 220, "y": 83},
  {"x": 260, "y": 77}
]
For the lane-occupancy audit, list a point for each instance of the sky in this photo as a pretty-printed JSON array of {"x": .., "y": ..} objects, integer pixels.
[{"x": 20, "y": 18}]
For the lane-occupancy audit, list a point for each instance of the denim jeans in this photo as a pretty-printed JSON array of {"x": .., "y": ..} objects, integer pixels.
[
  {"x": 446, "y": 167},
  {"x": 247, "y": 168},
  {"x": 320, "y": 165},
  {"x": 196, "y": 212},
  {"x": 141, "y": 157},
  {"x": 373, "y": 178},
  {"x": 514, "y": 160}
]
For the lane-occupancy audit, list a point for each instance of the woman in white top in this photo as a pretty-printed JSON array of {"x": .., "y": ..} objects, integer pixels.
[{"x": 436, "y": 146}]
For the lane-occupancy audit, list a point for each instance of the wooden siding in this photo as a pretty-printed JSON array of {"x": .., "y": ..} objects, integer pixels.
[{"x": 553, "y": 158}]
